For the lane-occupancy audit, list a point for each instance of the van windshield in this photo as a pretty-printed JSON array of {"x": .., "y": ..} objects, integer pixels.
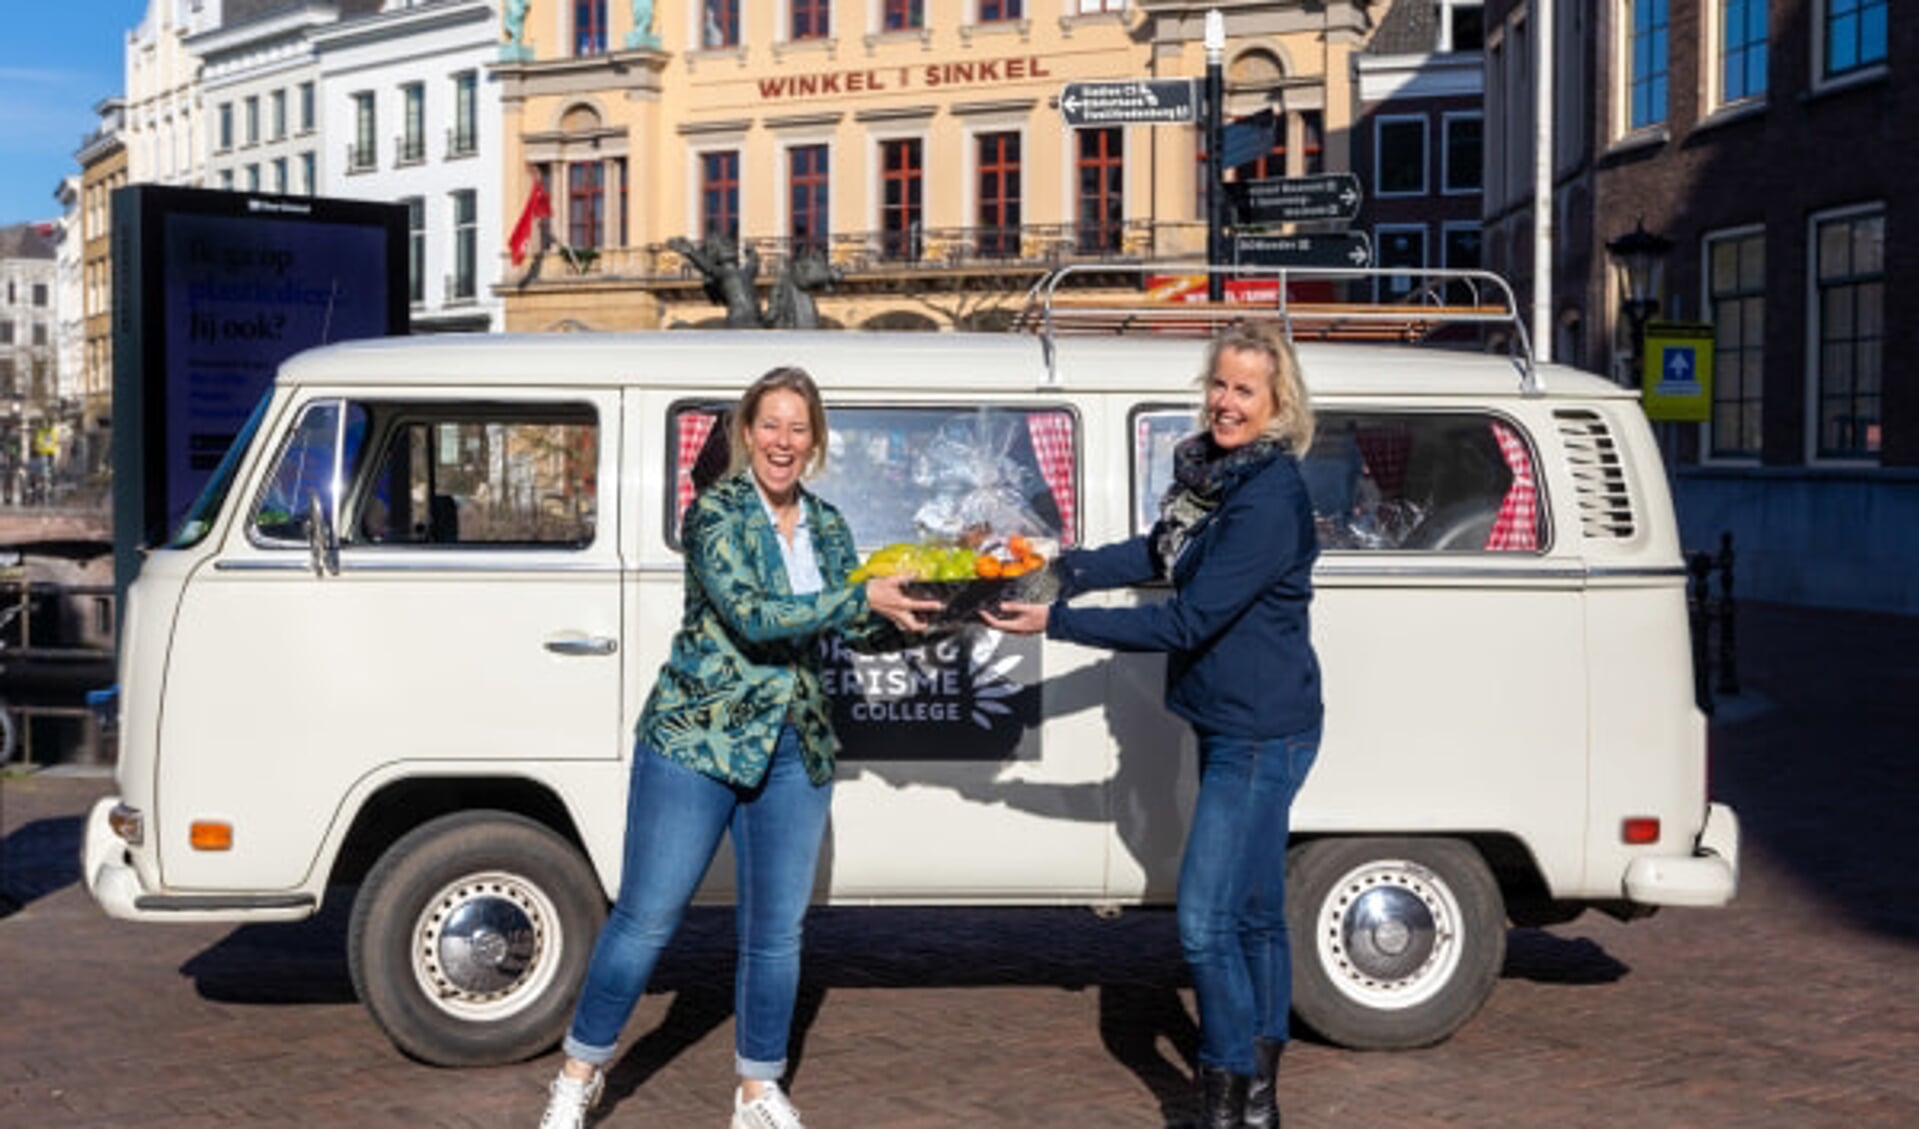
[{"x": 199, "y": 519}]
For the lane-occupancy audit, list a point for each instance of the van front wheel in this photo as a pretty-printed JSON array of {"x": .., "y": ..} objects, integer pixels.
[
  {"x": 470, "y": 938},
  {"x": 1396, "y": 942}
]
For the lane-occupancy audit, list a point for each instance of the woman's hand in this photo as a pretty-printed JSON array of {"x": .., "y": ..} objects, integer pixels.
[
  {"x": 887, "y": 596},
  {"x": 1018, "y": 619}
]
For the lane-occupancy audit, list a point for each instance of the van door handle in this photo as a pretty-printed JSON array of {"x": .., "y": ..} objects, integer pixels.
[{"x": 583, "y": 645}]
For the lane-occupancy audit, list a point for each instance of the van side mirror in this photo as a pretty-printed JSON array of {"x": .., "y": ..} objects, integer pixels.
[{"x": 323, "y": 541}]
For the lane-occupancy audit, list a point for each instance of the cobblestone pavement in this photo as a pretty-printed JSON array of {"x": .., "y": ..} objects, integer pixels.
[{"x": 1798, "y": 1006}]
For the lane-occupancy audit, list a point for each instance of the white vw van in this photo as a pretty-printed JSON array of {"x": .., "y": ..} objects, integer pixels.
[{"x": 397, "y": 650}]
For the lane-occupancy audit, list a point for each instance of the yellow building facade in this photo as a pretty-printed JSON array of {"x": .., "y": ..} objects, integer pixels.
[
  {"x": 103, "y": 168},
  {"x": 918, "y": 146}
]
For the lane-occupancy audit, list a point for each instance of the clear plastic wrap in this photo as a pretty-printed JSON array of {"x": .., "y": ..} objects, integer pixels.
[{"x": 975, "y": 488}]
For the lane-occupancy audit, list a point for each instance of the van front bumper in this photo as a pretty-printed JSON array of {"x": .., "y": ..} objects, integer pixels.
[
  {"x": 108, "y": 870},
  {"x": 1710, "y": 877}
]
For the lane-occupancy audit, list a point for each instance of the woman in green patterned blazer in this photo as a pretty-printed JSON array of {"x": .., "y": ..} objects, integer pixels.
[{"x": 737, "y": 737}]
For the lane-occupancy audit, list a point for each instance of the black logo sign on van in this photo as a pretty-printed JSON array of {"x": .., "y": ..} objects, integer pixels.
[{"x": 969, "y": 696}]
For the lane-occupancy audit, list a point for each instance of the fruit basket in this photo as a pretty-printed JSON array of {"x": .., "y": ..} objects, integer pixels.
[{"x": 966, "y": 579}]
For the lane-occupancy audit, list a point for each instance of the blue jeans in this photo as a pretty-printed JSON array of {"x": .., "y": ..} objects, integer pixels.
[
  {"x": 1232, "y": 892},
  {"x": 674, "y": 819}
]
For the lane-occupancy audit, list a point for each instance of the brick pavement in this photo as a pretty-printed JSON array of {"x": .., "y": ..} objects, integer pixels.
[{"x": 1797, "y": 1006}]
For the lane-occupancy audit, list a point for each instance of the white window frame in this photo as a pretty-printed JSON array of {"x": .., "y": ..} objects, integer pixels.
[
  {"x": 696, "y": 28},
  {"x": 784, "y": 33},
  {"x": 1822, "y": 81},
  {"x": 1446, "y": 10},
  {"x": 1425, "y": 155},
  {"x": 1811, "y": 437},
  {"x": 1623, "y": 72},
  {"x": 469, "y": 231},
  {"x": 1446, "y": 121},
  {"x": 1707, "y": 456},
  {"x": 876, "y": 180},
  {"x": 1380, "y": 231},
  {"x": 729, "y": 142},
  {"x": 1069, "y": 181},
  {"x": 1025, "y": 15},
  {"x": 969, "y": 192},
  {"x": 1713, "y": 45}
]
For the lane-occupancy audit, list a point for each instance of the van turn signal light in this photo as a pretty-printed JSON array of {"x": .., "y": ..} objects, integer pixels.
[
  {"x": 1639, "y": 831},
  {"x": 210, "y": 835}
]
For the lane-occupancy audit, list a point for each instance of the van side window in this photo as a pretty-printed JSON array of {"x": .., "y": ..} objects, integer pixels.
[
  {"x": 1443, "y": 482},
  {"x": 479, "y": 475},
  {"x": 909, "y": 473},
  {"x": 306, "y": 469}
]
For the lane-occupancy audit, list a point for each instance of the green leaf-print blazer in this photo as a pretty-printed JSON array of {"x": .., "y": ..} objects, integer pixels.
[{"x": 747, "y": 656}]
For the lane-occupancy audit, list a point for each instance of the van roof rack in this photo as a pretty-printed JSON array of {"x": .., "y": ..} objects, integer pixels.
[{"x": 1316, "y": 304}]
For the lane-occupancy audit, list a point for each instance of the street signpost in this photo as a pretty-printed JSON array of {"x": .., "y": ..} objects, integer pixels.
[
  {"x": 1297, "y": 199},
  {"x": 1345, "y": 249},
  {"x": 1141, "y": 101}
]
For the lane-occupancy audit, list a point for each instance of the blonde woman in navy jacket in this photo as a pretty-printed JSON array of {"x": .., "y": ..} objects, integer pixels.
[
  {"x": 737, "y": 738},
  {"x": 1235, "y": 538}
]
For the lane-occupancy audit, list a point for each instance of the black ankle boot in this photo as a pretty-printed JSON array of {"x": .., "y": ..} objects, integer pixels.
[
  {"x": 1222, "y": 1098},
  {"x": 1262, "y": 1092}
]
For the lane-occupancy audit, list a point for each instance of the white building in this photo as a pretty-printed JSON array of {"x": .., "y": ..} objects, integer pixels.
[
  {"x": 28, "y": 278},
  {"x": 259, "y": 85},
  {"x": 163, "y": 139},
  {"x": 410, "y": 115},
  {"x": 69, "y": 304}
]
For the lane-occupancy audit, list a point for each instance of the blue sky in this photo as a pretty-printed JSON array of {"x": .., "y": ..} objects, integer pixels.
[{"x": 57, "y": 59}]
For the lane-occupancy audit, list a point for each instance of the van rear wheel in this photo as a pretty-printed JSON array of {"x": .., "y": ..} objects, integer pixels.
[
  {"x": 470, "y": 938},
  {"x": 1396, "y": 942}
]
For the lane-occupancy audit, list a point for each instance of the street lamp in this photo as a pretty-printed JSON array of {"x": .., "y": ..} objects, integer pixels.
[
  {"x": 1642, "y": 255},
  {"x": 1215, "y": 42}
]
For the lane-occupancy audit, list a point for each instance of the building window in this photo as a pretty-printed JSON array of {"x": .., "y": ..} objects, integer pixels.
[
  {"x": 1462, "y": 25},
  {"x": 720, "y": 194},
  {"x": 1402, "y": 247},
  {"x": 226, "y": 179},
  {"x": 1461, "y": 247},
  {"x": 1855, "y": 32},
  {"x": 6, "y": 332},
  {"x": 1646, "y": 56},
  {"x": 1102, "y": 190},
  {"x": 306, "y": 107},
  {"x": 465, "y": 137},
  {"x": 1849, "y": 317},
  {"x": 40, "y": 295},
  {"x": 1399, "y": 156},
  {"x": 812, "y": 19},
  {"x": 585, "y": 204},
  {"x": 39, "y": 333},
  {"x": 903, "y": 15},
  {"x": 589, "y": 27},
  {"x": 1312, "y": 143},
  {"x": 807, "y": 184},
  {"x": 253, "y": 119},
  {"x": 1736, "y": 303},
  {"x": 1462, "y": 155},
  {"x": 998, "y": 11},
  {"x": 280, "y": 175},
  {"x": 226, "y": 126},
  {"x": 278, "y": 109},
  {"x": 722, "y": 24},
  {"x": 900, "y": 186},
  {"x": 253, "y": 178},
  {"x": 1089, "y": 7},
  {"x": 466, "y": 243},
  {"x": 999, "y": 192},
  {"x": 360, "y": 153},
  {"x": 1742, "y": 49},
  {"x": 309, "y": 174},
  {"x": 415, "y": 249},
  {"x": 413, "y": 137}
]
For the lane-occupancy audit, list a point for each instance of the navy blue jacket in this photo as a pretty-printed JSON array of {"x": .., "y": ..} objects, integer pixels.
[{"x": 1239, "y": 655}]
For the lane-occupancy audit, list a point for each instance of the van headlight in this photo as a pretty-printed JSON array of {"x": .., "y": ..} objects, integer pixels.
[{"x": 128, "y": 823}]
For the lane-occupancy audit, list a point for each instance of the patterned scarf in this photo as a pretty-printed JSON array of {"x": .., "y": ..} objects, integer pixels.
[{"x": 1202, "y": 474}]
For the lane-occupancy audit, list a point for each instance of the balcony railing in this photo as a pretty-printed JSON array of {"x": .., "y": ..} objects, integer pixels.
[
  {"x": 1027, "y": 248},
  {"x": 409, "y": 149},
  {"x": 462, "y": 142},
  {"x": 360, "y": 158}
]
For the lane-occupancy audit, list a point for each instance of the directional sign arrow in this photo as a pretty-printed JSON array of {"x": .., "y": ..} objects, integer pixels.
[
  {"x": 1345, "y": 249},
  {"x": 1298, "y": 199},
  {"x": 1138, "y": 101}
]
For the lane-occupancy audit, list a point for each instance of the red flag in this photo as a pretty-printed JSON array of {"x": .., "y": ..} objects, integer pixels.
[{"x": 538, "y": 207}]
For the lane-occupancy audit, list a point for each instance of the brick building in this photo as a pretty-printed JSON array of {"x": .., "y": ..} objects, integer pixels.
[{"x": 1775, "y": 144}]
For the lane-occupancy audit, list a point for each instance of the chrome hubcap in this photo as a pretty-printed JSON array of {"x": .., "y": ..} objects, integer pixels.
[
  {"x": 486, "y": 946},
  {"x": 1388, "y": 934}
]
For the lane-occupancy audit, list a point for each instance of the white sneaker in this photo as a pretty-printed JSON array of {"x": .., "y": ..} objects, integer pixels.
[
  {"x": 569, "y": 1099},
  {"x": 770, "y": 1110}
]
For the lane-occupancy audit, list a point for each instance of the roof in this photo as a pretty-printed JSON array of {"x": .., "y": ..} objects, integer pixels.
[
  {"x": 25, "y": 241},
  {"x": 722, "y": 362},
  {"x": 1409, "y": 27}
]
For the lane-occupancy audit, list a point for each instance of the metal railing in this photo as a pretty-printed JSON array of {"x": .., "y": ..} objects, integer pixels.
[{"x": 1308, "y": 301}]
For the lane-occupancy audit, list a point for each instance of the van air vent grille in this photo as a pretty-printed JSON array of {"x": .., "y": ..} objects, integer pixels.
[{"x": 1605, "y": 505}]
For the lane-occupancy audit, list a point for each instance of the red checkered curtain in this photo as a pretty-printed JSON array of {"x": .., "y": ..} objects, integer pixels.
[
  {"x": 1052, "y": 434},
  {"x": 1516, "y": 529},
  {"x": 1386, "y": 451},
  {"x": 694, "y": 427}
]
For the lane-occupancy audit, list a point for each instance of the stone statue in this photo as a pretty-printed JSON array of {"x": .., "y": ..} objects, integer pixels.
[
  {"x": 728, "y": 281},
  {"x": 791, "y": 304},
  {"x": 642, "y": 33},
  {"x": 515, "y": 50}
]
